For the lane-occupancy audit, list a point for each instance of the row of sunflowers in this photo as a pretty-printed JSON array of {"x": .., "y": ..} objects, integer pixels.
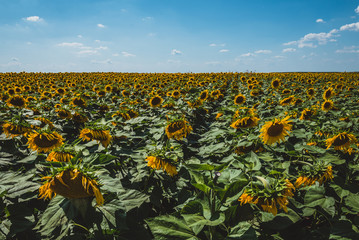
[{"x": 179, "y": 155}]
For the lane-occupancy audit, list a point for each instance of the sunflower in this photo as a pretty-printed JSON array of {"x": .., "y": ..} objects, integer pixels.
[
  {"x": 195, "y": 104},
  {"x": 125, "y": 93},
  {"x": 327, "y": 105},
  {"x": 328, "y": 93},
  {"x": 306, "y": 114},
  {"x": 176, "y": 94},
  {"x": 239, "y": 99},
  {"x": 275, "y": 131},
  {"x": 311, "y": 92},
  {"x": 204, "y": 95},
  {"x": 342, "y": 141},
  {"x": 78, "y": 101},
  {"x": 287, "y": 101},
  {"x": 321, "y": 176},
  {"x": 275, "y": 83},
  {"x": 13, "y": 130},
  {"x": 79, "y": 118},
  {"x": 155, "y": 101},
  {"x": 44, "y": 122},
  {"x": 44, "y": 141},
  {"x": 269, "y": 200},
  {"x": 102, "y": 136},
  {"x": 158, "y": 163},
  {"x": 71, "y": 184},
  {"x": 245, "y": 122},
  {"x": 59, "y": 156},
  {"x": 16, "y": 101},
  {"x": 178, "y": 129},
  {"x": 64, "y": 114}
]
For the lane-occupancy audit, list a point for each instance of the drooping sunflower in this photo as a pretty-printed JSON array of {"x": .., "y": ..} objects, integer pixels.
[
  {"x": 16, "y": 101},
  {"x": 327, "y": 105},
  {"x": 245, "y": 122},
  {"x": 275, "y": 131},
  {"x": 342, "y": 141},
  {"x": 79, "y": 118},
  {"x": 239, "y": 99},
  {"x": 308, "y": 178},
  {"x": 13, "y": 130},
  {"x": 156, "y": 101},
  {"x": 178, "y": 129},
  {"x": 59, "y": 155},
  {"x": 287, "y": 100},
  {"x": 307, "y": 114},
  {"x": 158, "y": 163},
  {"x": 78, "y": 101},
  {"x": 64, "y": 114},
  {"x": 195, "y": 104},
  {"x": 311, "y": 92},
  {"x": 328, "y": 93},
  {"x": 102, "y": 136},
  {"x": 71, "y": 184},
  {"x": 44, "y": 141},
  {"x": 270, "y": 199}
]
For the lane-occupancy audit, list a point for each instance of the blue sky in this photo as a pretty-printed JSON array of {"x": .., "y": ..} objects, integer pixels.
[{"x": 178, "y": 35}]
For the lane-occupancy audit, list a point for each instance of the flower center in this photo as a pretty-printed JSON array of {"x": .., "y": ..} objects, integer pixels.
[
  {"x": 175, "y": 126},
  {"x": 43, "y": 141},
  {"x": 275, "y": 130},
  {"x": 341, "y": 140}
]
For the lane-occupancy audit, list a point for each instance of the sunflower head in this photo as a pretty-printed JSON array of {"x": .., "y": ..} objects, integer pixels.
[
  {"x": 178, "y": 129},
  {"x": 79, "y": 102},
  {"x": 156, "y": 162},
  {"x": 307, "y": 114},
  {"x": 204, "y": 95},
  {"x": 12, "y": 129},
  {"x": 275, "y": 83},
  {"x": 239, "y": 99},
  {"x": 44, "y": 141},
  {"x": 245, "y": 122},
  {"x": 317, "y": 173},
  {"x": 71, "y": 183},
  {"x": 156, "y": 101},
  {"x": 275, "y": 131},
  {"x": 341, "y": 141},
  {"x": 327, "y": 105},
  {"x": 100, "y": 135},
  {"x": 16, "y": 101},
  {"x": 328, "y": 93}
]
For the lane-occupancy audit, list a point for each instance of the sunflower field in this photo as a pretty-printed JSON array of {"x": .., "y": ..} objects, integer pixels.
[{"x": 179, "y": 156}]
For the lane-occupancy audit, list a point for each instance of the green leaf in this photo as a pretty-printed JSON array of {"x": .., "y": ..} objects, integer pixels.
[
  {"x": 199, "y": 167},
  {"x": 132, "y": 198},
  {"x": 170, "y": 227},
  {"x": 244, "y": 231},
  {"x": 114, "y": 214}
]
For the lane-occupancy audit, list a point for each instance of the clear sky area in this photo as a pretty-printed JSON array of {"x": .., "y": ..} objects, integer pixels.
[{"x": 179, "y": 35}]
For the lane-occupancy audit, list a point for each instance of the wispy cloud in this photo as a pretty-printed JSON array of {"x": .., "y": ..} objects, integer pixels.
[
  {"x": 263, "y": 51},
  {"x": 289, "y": 50},
  {"x": 33, "y": 19},
  {"x": 87, "y": 52},
  {"x": 350, "y": 27},
  {"x": 127, "y": 54},
  {"x": 319, "y": 20},
  {"x": 357, "y": 10},
  {"x": 100, "y": 25},
  {"x": 351, "y": 49},
  {"x": 70, "y": 44},
  {"x": 223, "y": 50},
  {"x": 176, "y": 52},
  {"x": 217, "y": 45},
  {"x": 247, "y": 55},
  {"x": 107, "y": 61},
  {"x": 146, "y": 19}
]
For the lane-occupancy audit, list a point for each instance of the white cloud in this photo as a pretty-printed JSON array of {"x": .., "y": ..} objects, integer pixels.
[
  {"x": 350, "y": 27},
  {"x": 310, "y": 39},
  {"x": 102, "y": 48},
  {"x": 290, "y": 43},
  {"x": 289, "y": 50},
  {"x": 263, "y": 51},
  {"x": 247, "y": 55},
  {"x": 357, "y": 10},
  {"x": 33, "y": 19},
  {"x": 280, "y": 57},
  {"x": 212, "y": 63},
  {"x": 126, "y": 54},
  {"x": 176, "y": 52},
  {"x": 319, "y": 20},
  {"x": 70, "y": 44},
  {"x": 79, "y": 36},
  {"x": 115, "y": 54},
  {"x": 101, "y": 25},
  {"x": 217, "y": 45},
  {"x": 350, "y": 49},
  {"x": 223, "y": 50},
  {"x": 87, "y": 52}
]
